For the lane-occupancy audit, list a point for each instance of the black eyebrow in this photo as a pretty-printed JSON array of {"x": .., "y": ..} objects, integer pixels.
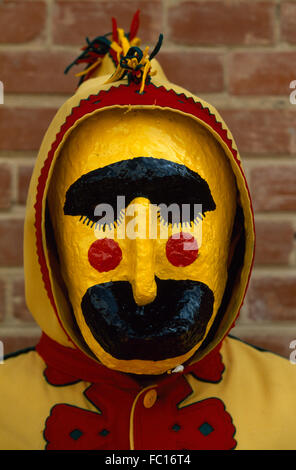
[{"x": 159, "y": 180}]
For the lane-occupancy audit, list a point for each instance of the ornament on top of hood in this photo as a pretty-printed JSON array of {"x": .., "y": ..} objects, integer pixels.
[{"x": 124, "y": 49}]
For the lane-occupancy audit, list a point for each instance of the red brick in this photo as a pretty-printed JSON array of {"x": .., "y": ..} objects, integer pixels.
[
  {"x": 18, "y": 301},
  {"x": 272, "y": 299},
  {"x": 11, "y": 242},
  {"x": 276, "y": 342},
  {"x": 23, "y": 181},
  {"x": 263, "y": 131},
  {"x": 217, "y": 22},
  {"x": 2, "y": 300},
  {"x": 18, "y": 342},
  {"x": 22, "y": 21},
  {"x": 273, "y": 188},
  {"x": 288, "y": 22},
  {"x": 37, "y": 72},
  {"x": 5, "y": 185},
  {"x": 73, "y": 21},
  {"x": 261, "y": 73},
  {"x": 274, "y": 242},
  {"x": 23, "y": 128},
  {"x": 199, "y": 72}
]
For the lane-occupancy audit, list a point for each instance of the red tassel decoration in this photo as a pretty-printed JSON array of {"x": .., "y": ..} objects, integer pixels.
[
  {"x": 134, "y": 25},
  {"x": 114, "y": 30}
]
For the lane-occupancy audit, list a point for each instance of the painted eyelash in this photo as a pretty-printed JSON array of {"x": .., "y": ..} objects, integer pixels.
[
  {"x": 113, "y": 225},
  {"x": 97, "y": 224},
  {"x": 86, "y": 219},
  {"x": 199, "y": 217}
]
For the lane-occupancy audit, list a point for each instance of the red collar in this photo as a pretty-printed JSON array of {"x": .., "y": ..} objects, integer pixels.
[{"x": 68, "y": 365}]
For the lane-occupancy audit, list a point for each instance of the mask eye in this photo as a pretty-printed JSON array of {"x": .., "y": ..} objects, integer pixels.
[
  {"x": 175, "y": 214},
  {"x": 104, "y": 254},
  {"x": 181, "y": 249},
  {"x": 102, "y": 223}
]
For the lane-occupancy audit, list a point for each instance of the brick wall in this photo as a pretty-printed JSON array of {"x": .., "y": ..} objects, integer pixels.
[{"x": 238, "y": 55}]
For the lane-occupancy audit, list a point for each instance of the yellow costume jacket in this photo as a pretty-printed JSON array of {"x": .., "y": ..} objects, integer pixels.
[{"x": 56, "y": 398}]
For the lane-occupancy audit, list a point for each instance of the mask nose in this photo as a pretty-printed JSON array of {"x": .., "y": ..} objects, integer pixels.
[{"x": 141, "y": 251}]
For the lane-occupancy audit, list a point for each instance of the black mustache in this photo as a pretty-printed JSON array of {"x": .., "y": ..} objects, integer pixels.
[{"x": 167, "y": 327}]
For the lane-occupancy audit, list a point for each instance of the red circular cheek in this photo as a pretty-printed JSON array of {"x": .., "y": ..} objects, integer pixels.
[
  {"x": 104, "y": 254},
  {"x": 181, "y": 249}
]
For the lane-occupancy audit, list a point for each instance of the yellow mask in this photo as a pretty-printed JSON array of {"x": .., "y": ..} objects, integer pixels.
[{"x": 143, "y": 304}]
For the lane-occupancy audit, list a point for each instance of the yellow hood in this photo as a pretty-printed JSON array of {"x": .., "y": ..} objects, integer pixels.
[{"x": 45, "y": 292}]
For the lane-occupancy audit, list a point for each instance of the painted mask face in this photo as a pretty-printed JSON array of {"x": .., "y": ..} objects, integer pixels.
[{"x": 144, "y": 289}]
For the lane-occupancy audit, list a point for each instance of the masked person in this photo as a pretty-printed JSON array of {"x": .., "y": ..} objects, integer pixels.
[{"x": 135, "y": 303}]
